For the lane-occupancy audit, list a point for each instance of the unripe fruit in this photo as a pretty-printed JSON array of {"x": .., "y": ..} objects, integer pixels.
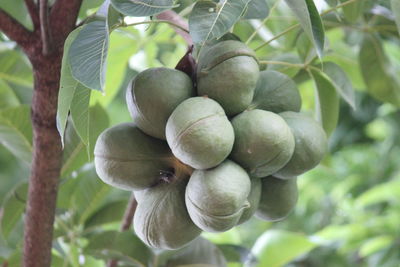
[
  {"x": 278, "y": 198},
  {"x": 276, "y": 92},
  {"x": 216, "y": 198},
  {"x": 161, "y": 218},
  {"x": 263, "y": 142},
  {"x": 128, "y": 159},
  {"x": 199, "y": 133},
  {"x": 228, "y": 72},
  {"x": 153, "y": 95},
  {"x": 311, "y": 144},
  {"x": 253, "y": 199}
]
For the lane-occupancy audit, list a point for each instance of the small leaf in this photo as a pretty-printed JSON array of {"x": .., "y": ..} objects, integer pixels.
[
  {"x": 341, "y": 82},
  {"x": 210, "y": 20},
  {"x": 16, "y": 131},
  {"x": 13, "y": 208},
  {"x": 142, "y": 8},
  {"x": 387, "y": 192},
  {"x": 17, "y": 9},
  {"x": 80, "y": 112},
  {"x": 110, "y": 212},
  {"x": 15, "y": 70},
  {"x": 234, "y": 253},
  {"x": 288, "y": 70},
  {"x": 7, "y": 96},
  {"x": 353, "y": 11},
  {"x": 378, "y": 74},
  {"x": 88, "y": 54},
  {"x": 124, "y": 246},
  {"x": 277, "y": 248},
  {"x": 256, "y": 9},
  {"x": 375, "y": 244},
  {"x": 310, "y": 21},
  {"x": 395, "y": 5},
  {"x": 327, "y": 103}
]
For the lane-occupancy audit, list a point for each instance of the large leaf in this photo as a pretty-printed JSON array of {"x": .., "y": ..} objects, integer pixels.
[
  {"x": 395, "y": 4},
  {"x": 310, "y": 21},
  {"x": 141, "y": 8},
  {"x": 80, "y": 113},
  {"x": 7, "y": 96},
  {"x": 353, "y": 11},
  {"x": 68, "y": 86},
  {"x": 341, "y": 82},
  {"x": 256, "y": 9},
  {"x": 14, "y": 69},
  {"x": 124, "y": 246},
  {"x": 276, "y": 248},
  {"x": 210, "y": 20},
  {"x": 379, "y": 76},
  {"x": 16, "y": 131},
  {"x": 13, "y": 208},
  {"x": 327, "y": 107}
]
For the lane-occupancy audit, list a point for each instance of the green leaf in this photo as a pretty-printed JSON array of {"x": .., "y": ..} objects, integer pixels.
[
  {"x": 256, "y": 9},
  {"x": 16, "y": 131},
  {"x": 210, "y": 20},
  {"x": 276, "y": 247},
  {"x": 375, "y": 244},
  {"x": 285, "y": 57},
  {"x": 378, "y": 74},
  {"x": 310, "y": 21},
  {"x": 80, "y": 112},
  {"x": 88, "y": 55},
  {"x": 353, "y": 11},
  {"x": 13, "y": 208},
  {"x": 14, "y": 69},
  {"x": 234, "y": 253},
  {"x": 110, "y": 212},
  {"x": 124, "y": 246},
  {"x": 341, "y": 82},
  {"x": 141, "y": 8},
  {"x": 17, "y": 9},
  {"x": 387, "y": 192},
  {"x": 68, "y": 86},
  {"x": 327, "y": 104},
  {"x": 395, "y": 5},
  {"x": 7, "y": 96}
]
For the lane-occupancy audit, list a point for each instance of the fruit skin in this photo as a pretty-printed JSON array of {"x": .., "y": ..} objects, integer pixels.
[
  {"x": 253, "y": 199},
  {"x": 263, "y": 142},
  {"x": 199, "y": 133},
  {"x": 311, "y": 144},
  {"x": 161, "y": 219},
  {"x": 228, "y": 72},
  {"x": 278, "y": 198},
  {"x": 128, "y": 159},
  {"x": 153, "y": 95},
  {"x": 276, "y": 92},
  {"x": 216, "y": 198}
]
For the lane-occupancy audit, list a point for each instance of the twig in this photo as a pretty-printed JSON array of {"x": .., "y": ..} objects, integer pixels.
[
  {"x": 297, "y": 25},
  {"x": 180, "y": 25},
  {"x": 44, "y": 27},
  {"x": 33, "y": 12},
  {"x": 126, "y": 222},
  {"x": 15, "y": 31}
]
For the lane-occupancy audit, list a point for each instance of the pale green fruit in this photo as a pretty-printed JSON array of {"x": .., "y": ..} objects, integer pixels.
[
  {"x": 253, "y": 199},
  {"x": 228, "y": 72},
  {"x": 276, "y": 92},
  {"x": 153, "y": 95},
  {"x": 263, "y": 142},
  {"x": 278, "y": 198},
  {"x": 161, "y": 218},
  {"x": 310, "y": 148},
  {"x": 199, "y": 133},
  {"x": 128, "y": 159},
  {"x": 216, "y": 198}
]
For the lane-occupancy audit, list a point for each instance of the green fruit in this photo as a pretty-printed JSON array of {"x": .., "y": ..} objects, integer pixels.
[
  {"x": 199, "y": 133},
  {"x": 153, "y": 95},
  {"x": 228, "y": 72},
  {"x": 276, "y": 92},
  {"x": 253, "y": 199},
  {"x": 278, "y": 198},
  {"x": 161, "y": 218},
  {"x": 311, "y": 144},
  {"x": 216, "y": 198},
  {"x": 263, "y": 142},
  {"x": 128, "y": 159}
]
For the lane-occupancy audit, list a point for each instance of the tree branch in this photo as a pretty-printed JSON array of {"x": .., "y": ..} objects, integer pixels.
[
  {"x": 126, "y": 222},
  {"x": 172, "y": 16},
  {"x": 44, "y": 27},
  {"x": 68, "y": 10},
  {"x": 33, "y": 12},
  {"x": 14, "y": 30}
]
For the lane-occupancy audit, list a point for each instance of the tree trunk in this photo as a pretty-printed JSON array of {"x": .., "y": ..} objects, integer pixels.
[{"x": 46, "y": 162}]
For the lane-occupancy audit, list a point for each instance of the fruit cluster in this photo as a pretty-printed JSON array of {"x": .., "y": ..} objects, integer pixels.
[{"x": 235, "y": 143}]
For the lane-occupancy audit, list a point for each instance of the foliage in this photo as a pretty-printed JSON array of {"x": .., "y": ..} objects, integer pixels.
[{"x": 344, "y": 57}]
